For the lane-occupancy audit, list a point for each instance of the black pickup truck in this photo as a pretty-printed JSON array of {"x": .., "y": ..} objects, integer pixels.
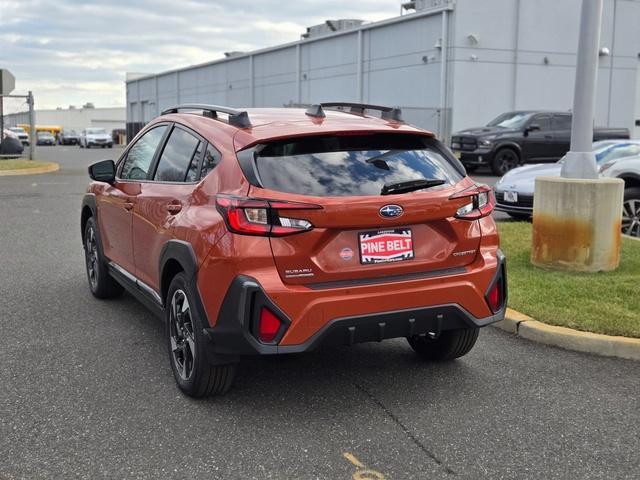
[{"x": 515, "y": 138}]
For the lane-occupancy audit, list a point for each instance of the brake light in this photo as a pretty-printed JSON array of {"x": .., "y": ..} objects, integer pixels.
[
  {"x": 252, "y": 216},
  {"x": 481, "y": 202},
  {"x": 269, "y": 326}
]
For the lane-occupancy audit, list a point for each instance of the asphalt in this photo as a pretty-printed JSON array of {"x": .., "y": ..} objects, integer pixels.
[{"x": 87, "y": 391}]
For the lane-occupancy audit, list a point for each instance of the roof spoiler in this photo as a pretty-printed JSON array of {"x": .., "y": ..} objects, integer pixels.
[
  {"x": 237, "y": 118},
  {"x": 387, "y": 113}
]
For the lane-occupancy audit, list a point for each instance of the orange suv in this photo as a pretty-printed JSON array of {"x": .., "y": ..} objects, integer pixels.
[{"x": 271, "y": 231}]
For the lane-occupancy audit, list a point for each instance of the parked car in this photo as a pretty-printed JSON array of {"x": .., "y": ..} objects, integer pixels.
[
  {"x": 627, "y": 169},
  {"x": 514, "y": 191},
  {"x": 517, "y": 138},
  {"x": 23, "y": 136},
  {"x": 45, "y": 138},
  {"x": 95, "y": 137},
  {"x": 10, "y": 144},
  {"x": 274, "y": 231},
  {"x": 68, "y": 137}
]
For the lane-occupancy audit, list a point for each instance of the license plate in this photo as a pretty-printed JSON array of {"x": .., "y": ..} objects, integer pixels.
[
  {"x": 457, "y": 154},
  {"x": 383, "y": 246},
  {"x": 511, "y": 197}
]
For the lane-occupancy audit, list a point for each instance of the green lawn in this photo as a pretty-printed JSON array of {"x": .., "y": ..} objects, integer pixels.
[
  {"x": 20, "y": 164},
  {"x": 606, "y": 303}
]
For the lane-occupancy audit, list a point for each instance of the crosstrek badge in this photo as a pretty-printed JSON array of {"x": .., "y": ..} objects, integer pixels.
[{"x": 386, "y": 246}]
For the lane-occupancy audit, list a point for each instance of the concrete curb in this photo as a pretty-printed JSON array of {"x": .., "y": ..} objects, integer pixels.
[
  {"x": 567, "y": 338},
  {"x": 51, "y": 167}
]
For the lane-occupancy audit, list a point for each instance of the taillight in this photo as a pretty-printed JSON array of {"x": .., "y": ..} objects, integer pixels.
[
  {"x": 269, "y": 326},
  {"x": 481, "y": 202},
  {"x": 253, "y": 216}
]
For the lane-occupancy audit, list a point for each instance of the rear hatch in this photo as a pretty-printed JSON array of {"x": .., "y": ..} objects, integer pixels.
[{"x": 382, "y": 208}]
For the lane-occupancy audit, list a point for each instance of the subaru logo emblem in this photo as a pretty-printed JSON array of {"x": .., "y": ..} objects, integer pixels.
[{"x": 391, "y": 211}]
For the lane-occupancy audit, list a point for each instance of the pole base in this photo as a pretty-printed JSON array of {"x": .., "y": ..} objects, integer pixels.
[{"x": 576, "y": 223}]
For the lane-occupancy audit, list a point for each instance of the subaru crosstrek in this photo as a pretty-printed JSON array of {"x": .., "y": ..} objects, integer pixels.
[{"x": 274, "y": 231}]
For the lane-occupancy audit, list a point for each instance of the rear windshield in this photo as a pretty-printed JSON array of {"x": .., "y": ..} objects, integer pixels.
[{"x": 352, "y": 165}]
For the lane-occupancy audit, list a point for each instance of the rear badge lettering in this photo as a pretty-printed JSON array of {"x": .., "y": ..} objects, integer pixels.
[
  {"x": 466, "y": 252},
  {"x": 346, "y": 254},
  {"x": 298, "y": 272},
  {"x": 386, "y": 246}
]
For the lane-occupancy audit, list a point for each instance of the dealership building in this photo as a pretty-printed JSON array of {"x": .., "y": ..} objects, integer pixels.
[
  {"x": 73, "y": 118},
  {"x": 449, "y": 64}
]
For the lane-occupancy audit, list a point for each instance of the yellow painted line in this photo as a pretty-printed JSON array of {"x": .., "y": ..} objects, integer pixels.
[
  {"x": 52, "y": 167},
  {"x": 353, "y": 459}
]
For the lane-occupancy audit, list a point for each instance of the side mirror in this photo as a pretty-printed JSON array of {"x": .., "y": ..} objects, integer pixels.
[
  {"x": 104, "y": 171},
  {"x": 534, "y": 127}
]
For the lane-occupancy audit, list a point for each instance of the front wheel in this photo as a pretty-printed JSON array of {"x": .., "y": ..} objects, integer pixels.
[
  {"x": 192, "y": 371},
  {"x": 504, "y": 160},
  {"x": 448, "y": 345},
  {"x": 631, "y": 212}
]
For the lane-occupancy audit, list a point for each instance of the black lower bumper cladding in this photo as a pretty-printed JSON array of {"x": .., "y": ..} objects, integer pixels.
[{"x": 238, "y": 317}]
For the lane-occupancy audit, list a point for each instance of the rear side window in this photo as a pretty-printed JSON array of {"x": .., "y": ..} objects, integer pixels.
[
  {"x": 211, "y": 160},
  {"x": 177, "y": 157},
  {"x": 562, "y": 122},
  {"x": 352, "y": 165},
  {"x": 136, "y": 165}
]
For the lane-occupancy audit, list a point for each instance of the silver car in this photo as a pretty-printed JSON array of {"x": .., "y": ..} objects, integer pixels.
[
  {"x": 514, "y": 191},
  {"x": 627, "y": 169}
]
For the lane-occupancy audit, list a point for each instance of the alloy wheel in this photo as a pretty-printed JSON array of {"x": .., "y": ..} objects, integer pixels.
[
  {"x": 91, "y": 252},
  {"x": 507, "y": 160},
  {"x": 181, "y": 335},
  {"x": 631, "y": 217}
]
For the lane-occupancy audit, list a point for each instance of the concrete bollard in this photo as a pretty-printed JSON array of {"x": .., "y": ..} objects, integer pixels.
[{"x": 576, "y": 223}]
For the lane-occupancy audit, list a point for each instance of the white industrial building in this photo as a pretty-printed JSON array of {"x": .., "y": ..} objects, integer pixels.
[
  {"x": 73, "y": 118},
  {"x": 449, "y": 64}
]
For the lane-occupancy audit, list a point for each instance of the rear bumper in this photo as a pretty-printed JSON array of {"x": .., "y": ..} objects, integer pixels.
[{"x": 238, "y": 318}]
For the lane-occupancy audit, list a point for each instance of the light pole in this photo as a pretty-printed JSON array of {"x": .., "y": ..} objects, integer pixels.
[
  {"x": 580, "y": 162},
  {"x": 577, "y": 217}
]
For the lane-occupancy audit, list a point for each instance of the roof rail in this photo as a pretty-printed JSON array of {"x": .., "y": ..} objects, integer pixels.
[
  {"x": 237, "y": 118},
  {"x": 387, "y": 113}
]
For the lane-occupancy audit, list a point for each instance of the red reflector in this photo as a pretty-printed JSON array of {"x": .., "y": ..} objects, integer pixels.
[
  {"x": 495, "y": 298},
  {"x": 269, "y": 325}
]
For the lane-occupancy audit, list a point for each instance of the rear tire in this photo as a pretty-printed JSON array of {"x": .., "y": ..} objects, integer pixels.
[
  {"x": 504, "y": 160},
  {"x": 193, "y": 373},
  {"x": 101, "y": 284},
  {"x": 449, "y": 345}
]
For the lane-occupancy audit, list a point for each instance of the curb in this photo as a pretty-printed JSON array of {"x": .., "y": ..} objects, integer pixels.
[
  {"x": 52, "y": 167},
  {"x": 569, "y": 339}
]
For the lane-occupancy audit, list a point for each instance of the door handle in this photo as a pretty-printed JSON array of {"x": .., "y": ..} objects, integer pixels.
[
  {"x": 548, "y": 137},
  {"x": 174, "y": 208},
  {"x": 128, "y": 206}
]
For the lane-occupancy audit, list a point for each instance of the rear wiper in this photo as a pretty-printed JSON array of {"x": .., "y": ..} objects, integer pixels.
[{"x": 410, "y": 186}]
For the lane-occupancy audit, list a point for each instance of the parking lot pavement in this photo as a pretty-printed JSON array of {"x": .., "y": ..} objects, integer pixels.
[{"x": 87, "y": 390}]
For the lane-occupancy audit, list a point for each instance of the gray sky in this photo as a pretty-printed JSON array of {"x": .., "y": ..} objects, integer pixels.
[{"x": 72, "y": 52}]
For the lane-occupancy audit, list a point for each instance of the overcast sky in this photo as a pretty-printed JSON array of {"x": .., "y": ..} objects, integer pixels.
[{"x": 69, "y": 52}]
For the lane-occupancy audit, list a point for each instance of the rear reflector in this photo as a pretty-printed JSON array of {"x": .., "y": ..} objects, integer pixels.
[
  {"x": 494, "y": 297},
  {"x": 269, "y": 326}
]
